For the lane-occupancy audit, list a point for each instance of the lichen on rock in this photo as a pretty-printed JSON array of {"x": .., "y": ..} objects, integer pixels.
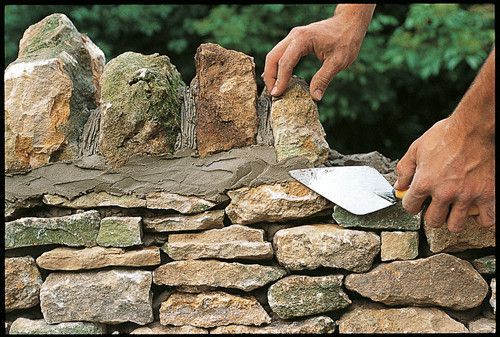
[{"x": 140, "y": 106}]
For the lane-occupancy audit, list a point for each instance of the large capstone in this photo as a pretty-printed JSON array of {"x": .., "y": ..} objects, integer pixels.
[
  {"x": 140, "y": 107},
  {"x": 226, "y": 102},
  {"x": 50, "y": 91}
]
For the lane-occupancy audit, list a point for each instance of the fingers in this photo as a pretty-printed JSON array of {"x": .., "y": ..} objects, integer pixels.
[
  {"x": 486, "y": 217},
  {"x": 405, "y": 169},
  {"x": 458, "y": 216},
  {"x": 286, "y": 64},
  {"x": 436, "y": 213},
  {"x": 321, "y": 79},
  {"x": 271, "y": 66}
]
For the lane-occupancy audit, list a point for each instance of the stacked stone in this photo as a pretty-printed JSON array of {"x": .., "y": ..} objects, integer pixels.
[{"x": 148, "y": 245}]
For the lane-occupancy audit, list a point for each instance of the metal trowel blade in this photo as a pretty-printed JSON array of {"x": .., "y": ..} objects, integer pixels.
[{"x": 358, "y": 189}]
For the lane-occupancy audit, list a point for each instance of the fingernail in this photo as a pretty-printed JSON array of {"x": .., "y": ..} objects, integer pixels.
[
  {"x": 273, "y": 92},
  {"x": 262, "y": 75},
  {"x": 318, "y": 93}
]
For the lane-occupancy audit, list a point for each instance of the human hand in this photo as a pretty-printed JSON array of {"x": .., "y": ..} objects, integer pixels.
[
  {"x": 335, "y": 42},
  {"x": 456, "y": 169}
]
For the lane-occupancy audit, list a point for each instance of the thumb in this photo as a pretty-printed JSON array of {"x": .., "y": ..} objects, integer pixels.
[
  {"x": 321, "y": 79},
  {"x": 405, "y": 169}
]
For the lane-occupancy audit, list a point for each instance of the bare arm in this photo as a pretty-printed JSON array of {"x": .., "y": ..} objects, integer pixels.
[
  {"x": 335, "y": 42},
  {"x": 454, "y": 161}
]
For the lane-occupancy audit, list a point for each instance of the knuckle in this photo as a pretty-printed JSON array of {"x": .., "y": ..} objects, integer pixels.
[{"x": 284, "y": 64}]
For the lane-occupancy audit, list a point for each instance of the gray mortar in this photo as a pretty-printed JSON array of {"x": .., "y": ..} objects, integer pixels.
[{"x": 207, "y": 178}]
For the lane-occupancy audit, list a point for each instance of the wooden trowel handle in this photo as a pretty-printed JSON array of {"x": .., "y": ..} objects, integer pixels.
[{"x": 473, "y": 210}]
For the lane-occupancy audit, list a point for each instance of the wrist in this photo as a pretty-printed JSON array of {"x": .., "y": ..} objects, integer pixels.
[
  {"x": 360, "y": 14},
  {"x": 478, "y": 123}
]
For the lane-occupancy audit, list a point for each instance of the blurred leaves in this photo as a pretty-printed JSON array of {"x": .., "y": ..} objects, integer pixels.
[{"x": 415, "y": 63}]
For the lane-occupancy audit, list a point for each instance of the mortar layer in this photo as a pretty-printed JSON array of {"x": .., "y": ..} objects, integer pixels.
[{"x": 207, "y": 178}]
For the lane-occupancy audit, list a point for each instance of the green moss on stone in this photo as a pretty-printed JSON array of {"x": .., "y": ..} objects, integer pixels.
[{"x": 116, "y": 232}]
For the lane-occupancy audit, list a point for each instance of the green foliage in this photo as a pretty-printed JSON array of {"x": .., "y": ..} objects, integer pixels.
[{"x": 415, "y": 63}]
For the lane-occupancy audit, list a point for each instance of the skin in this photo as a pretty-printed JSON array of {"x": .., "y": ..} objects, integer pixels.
[{"x": 453, "y": 162}]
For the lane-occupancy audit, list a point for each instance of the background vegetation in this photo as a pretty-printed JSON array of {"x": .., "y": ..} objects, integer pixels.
[{"x": 415, "y": 63}]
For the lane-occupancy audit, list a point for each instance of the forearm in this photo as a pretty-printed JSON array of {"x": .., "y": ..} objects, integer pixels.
[
  {"x": 360, "y": 13},
  {"x": 476, "y": 111}
]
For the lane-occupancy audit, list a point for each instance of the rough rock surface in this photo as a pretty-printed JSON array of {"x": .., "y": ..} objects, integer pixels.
[
  {"x": 398, "y": 245},
  {"x": 443, "y": 280},
  {"x": 78, "y": 229},
  {"x": 91, "y": 200},
  {"x": 371, "y": 318},
  {"x": 473, "y": 236},
  {"x": 179, "y": 223},
  {"x": 313, "y": 325},
  {"x": 483, "y": 325},
  {"x": 296, "y": 126},
  {"x": 22, "y": 283},
  {"x": 493, "y": 298},
  {"x": 485, "y": 264},
  {"x": 313, "y": 246},
  {"x": 180, "y": 203},
  {"x": 120, "y": 231},
  {"x": 231, "y": 242},
  {"x": 49, "y": 90},
  {"x": 226, "y": 102},
  {"x": 392, "y": 217},
  {"x": 215, "y": 273},
  {"x": 113, "y": 296},
  {"x": 25, "y": 326},
  {"x": 158, "y": 329},
  {"x": 140, "y": 106},
  {"x": 274, "y": 203},
  {"x": 65, "y": 258},
  {"x": 212, "y": 309},
  {"x": 298, "y": 295}
]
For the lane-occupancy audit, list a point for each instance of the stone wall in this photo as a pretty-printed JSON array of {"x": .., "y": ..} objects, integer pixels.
[{"x": 155, "y": 207}]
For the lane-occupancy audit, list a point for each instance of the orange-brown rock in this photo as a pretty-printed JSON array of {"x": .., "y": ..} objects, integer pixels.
[{"x": 226, "y": 102}]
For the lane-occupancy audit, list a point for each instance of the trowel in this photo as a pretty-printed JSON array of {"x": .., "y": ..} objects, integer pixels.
[{"x": 358, "y": 189}]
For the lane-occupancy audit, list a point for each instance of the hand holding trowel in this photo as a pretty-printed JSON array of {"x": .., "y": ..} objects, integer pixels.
[{"x": 358, "y": 189}]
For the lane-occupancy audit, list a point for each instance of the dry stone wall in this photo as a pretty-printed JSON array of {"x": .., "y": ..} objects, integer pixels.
[{"x": 137, "y": 204}]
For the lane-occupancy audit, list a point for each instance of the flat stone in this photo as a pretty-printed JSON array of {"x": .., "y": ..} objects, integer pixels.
[
  {"x": 140, "y": 107},
  {"x": 274, "y": 203},
  {"x": 393, "y": 217},
  {"x": 179, "y": 223},
  {"x": 298, "y": 295},
  {"x": 66, "y": 258},
  {"x": 313, "y": 246},
  {"x": 12, "y": 207},
  {"x": 485, "y": 264},
  {"x": 483, "y": 325},
  {"x": 207, "y": 310},
  {"x": 443, "y": 280},
  {"x": 50, "y": 90},
  {"x": 111, "y": 296},
  {"x": 215, "y": 273},
  {"x": 78, "y": 229},
  {"x": 295, "y": 124},
  {"x": 157, "y": 328},
  {"x": 313, "y": 325},
  {"x": 231, "y": 242},
  {"x": 22, "y": 283},
  {"x": 177, "y": 202},
  {"x": 119, "y": 231},
  {"x": 493, "y": 298},
  {"x": 95, "y": 199},
  {"x": 226, "y": 101},
  {"x": 398, "y": 245},
  {"x": 25, "y": 326},
  {"x": 370, "y": 318},
  {"x": 473, "y": 236}
]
